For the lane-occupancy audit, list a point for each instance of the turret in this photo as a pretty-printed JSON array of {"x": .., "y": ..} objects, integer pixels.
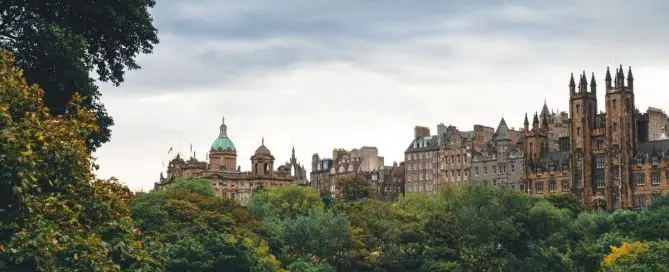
[
  {"x": 593, "y": 84},
  {"x": 572, "y": 85},
  {"x": 535, "y": 122},
  {"x": 527, "y": 122},
  {"x": 630, "y": 80},
  {"x": 620, "y": 78},
  {"x": 608, "y": 79},
  {"x": 544, "y": 122},
  {"x": 583, "y": 84}
]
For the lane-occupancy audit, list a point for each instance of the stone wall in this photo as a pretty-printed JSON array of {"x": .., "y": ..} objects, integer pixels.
[{"x": 657, "y": 119}]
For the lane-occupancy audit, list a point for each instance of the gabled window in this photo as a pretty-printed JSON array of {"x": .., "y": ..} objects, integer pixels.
[
  {"x": 565, "y": 169},
  {"x": 639, "y": 161},
  {"x": 654, "y": 160}
]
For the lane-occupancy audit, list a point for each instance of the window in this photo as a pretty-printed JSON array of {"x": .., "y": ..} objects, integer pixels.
[
  {"x": 655, "y": 179},
  {"x": 578, "y": 108},
  {"x": 599, "y": 182},
  {"x": 522, "y": 187},
  {"x": 485, "y": 170},
  {"x": 539, "y": 188},
  {"x": 476, "y": 171},
  {"x": 613, "y": 105},
  {"x": 552, "y": 187},
  {"x": 494, "y": 169},
  {"x": 565, "y": 186},
  {"x": 459, "y": 173},
  {"x": 458, "y": 158},
  {"x": 565, "y": 169},
  {"x": 578, "y": 131},
  {"x": 639, "y": 162},
  {"x": 600, "y": 162},
  {"x": 600, "y": 145},
  {"x": 640, "y": 202},
  {"x": 513, "y": 168},
  {"x": 464, "y": 158},
  {"x": 615, "y": 126},
  {"x": 452, "y": 159},
  {"x": 639, "y": 180},
  {"x": 654, "y": 160}
]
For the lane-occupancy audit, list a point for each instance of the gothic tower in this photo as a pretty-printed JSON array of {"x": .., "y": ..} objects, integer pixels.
[
  {"x": 620, "y": 138},
  {"x": 262, "y": 161},
  {"x": 582, "y": 111},
  {"x": 535, "y": 144}
]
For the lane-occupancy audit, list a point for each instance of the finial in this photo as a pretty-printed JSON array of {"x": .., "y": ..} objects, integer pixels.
[
  {"x": 629, "y": 74},
  {"x": 608, "y": 74},
  {"x": 262, "y": 141},
  {"x": 571, "y": 81}
]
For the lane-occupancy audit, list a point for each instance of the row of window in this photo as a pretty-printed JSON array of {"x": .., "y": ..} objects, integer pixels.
[
  {"x": 421, "y": 155},
  {"x": 552, "y": 187},
  {"x": 502, "y": 169},
  {"x": 654, "y": 177},
  {"x": 640, "y": 200}
]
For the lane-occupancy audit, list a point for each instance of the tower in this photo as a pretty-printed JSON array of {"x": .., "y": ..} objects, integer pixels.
[
  {"x": 620, "y": 138},
  {"x": 582, "y": 111},
  {"x": 262, "y": 161},
  {"x": 223, "y": 155},
  {"x": 535, "y": 143}
]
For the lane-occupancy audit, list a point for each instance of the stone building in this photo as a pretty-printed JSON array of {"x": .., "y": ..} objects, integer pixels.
[
  {"x": 343, "y": 165},
  {"x": 558, "y": 126},
  {"x": 606, "y": 158},
  {"x": 501, "y": 160},
  {"x": 652, "y": 124},
  {"x": 422, "y": 161},
  {"x": 225, "y": 175}
]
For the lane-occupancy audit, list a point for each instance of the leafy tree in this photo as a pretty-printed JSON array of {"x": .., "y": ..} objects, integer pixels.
[
  {"x": 567, "y": 201},
  {"x": 193, "y": 230},
  {"x": 285, "y": 202},
  {"x": 54, "y": 214},
  {"x": 59, "y": 43},
  {"x": 638, "y": 256},
  {"x": 355, "y": 188}
]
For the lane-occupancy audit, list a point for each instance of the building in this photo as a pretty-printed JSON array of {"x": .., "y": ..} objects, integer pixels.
[
  {"x": 422, "y": 161},
  {"x": 344, "y": 164},
  {"x": 606, "y": 159},
  {"x": 501, "y": 160},
  {"x": 225, "y": 175}
]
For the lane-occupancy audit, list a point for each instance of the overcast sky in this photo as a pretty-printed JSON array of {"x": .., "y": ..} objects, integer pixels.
[{"x": 324, "y": 74}]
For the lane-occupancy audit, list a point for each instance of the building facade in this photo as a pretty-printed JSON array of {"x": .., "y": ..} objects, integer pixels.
[
  {"x": 606, "y": 159},
  {"x": 422, "y": 162},
  {"x": 326, "y": 173},
  {"x": 501, "y": 160},
  {"x": 225, "y": 175}
]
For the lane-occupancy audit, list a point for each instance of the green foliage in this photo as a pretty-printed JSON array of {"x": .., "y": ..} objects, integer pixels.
[
  {"x": 54, "y": 214},
  {"x": 355, "y": 188},
  {"x": 285, "y": 202},
  {"x": 193, "y": 230},
  {"x": 59, "y": 43},
  {"x": 196, "y": 186},
  {"x": 567, "y": 201}
]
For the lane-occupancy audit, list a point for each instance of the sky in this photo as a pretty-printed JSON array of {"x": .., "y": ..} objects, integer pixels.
[{"x": 325, "y": 74}]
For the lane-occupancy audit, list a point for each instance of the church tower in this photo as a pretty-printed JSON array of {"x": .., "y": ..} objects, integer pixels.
[
  {"x": 620, "y": 137},
  {"x": 582, "y": 111},
  {"x": 535, "y": 145}
]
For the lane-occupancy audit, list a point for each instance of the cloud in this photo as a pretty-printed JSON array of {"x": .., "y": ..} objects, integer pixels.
[{"x": 329, "y": 74}]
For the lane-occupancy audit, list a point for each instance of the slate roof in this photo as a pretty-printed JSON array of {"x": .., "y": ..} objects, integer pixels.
[{"x": 427, "y": 143}]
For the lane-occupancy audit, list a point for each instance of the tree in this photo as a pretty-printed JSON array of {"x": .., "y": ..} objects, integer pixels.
[
  {"x": 54, "y": 214},
  {"x": 285, "y": 202},
  {"x": 355, "y": 188},
  {"x": 193, "y": 230},
  {"x": 58, "y": 43}
]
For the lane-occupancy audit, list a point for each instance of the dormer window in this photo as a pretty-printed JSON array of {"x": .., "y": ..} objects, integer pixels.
[
  {"x": 565, "y": 169},
  {"x": 552, "y": 169},
  {"x": 639, "y": 162},
  {"x": 654, "y": 160}
]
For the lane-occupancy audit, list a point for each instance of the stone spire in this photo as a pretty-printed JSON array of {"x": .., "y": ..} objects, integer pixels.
[
  {"x": 572, "y": 84},
  {"x": 593, "y": 84},
  {"x": 630, "y": 79},
  {"x": 526, "y": 123},
  {"x": 224, "y": 128}
]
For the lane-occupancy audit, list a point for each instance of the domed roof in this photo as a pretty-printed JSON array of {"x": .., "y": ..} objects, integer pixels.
[
  {"x": 223, "y": 142},
  {"x": 263, "y": 150}
]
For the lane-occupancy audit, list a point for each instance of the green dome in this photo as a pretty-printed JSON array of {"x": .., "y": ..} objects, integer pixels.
[{"x": 222, "y": 143}]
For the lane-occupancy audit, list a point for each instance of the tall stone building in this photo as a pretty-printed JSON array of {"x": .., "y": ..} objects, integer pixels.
[
  {"x": 422, "y": 161},
  {"x": 225, "y": 175},
  {"x": 344, "y": 164},
  {"x": 501, "y": 160},
  {"x": 602, "y": 160}
]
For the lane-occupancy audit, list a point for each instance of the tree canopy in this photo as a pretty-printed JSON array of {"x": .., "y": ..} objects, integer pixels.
[{"x": 59, "y": 43}]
